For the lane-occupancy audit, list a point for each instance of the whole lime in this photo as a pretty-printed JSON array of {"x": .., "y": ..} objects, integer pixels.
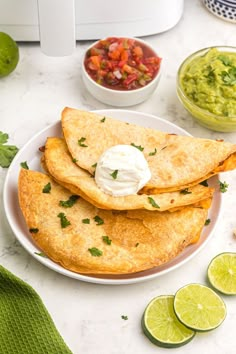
[{"x": 9, "y": 54}]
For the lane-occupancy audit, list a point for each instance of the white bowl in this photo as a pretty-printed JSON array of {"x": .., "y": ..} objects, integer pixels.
[{"x": 120, "y": 98}]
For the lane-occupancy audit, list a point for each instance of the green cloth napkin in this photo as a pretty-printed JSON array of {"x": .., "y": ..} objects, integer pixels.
[{"x": 25, "y": 324}]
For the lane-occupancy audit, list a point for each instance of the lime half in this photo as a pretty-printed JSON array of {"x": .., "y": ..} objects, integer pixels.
[
  {"x": 162, "y": 327},
  {"x": 222, "y": 273},
  {"x": 9, "y": 54},
  {"x": 199, "y": 307}
]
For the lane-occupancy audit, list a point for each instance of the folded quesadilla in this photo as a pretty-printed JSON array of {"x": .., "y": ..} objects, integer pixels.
[
  {"x": 176, "y": 162},
  {"x": 86, "y": 239},
  {"x": 58, "y": 162}
]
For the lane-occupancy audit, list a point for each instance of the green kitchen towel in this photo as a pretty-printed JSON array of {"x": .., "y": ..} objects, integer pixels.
[{"x": 25, "y": 324}]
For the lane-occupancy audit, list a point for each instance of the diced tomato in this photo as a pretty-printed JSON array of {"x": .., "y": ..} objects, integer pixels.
[{"x": 137, "y": 52}]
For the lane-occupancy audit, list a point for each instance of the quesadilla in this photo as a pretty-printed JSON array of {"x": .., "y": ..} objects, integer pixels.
[
  {"x": 59, "y": 164},
  {"x": 85, "y": 239},
  {"x": 176, "y": 162}
]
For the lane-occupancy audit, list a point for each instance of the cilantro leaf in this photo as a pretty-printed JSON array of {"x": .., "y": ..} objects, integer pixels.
[
  {"x": 185, "y": 191},
  {"x": 70, "y": 202},
  {"x": 225, "y": 60},
  {"x": 74, "y": 160},
  {"x": 94, "y": 165},
  {"x": 153, "y": 203},
  {"x": 34, "y": 230},
  {"x": 207, "y": 222},
  {"x": 98, "y": 220},
  {"x": 64, "y": 221},
  {"x": 81, "y": 142},
  {"x": 107, "y": 240},
  {"x": 7, "y": 152},
  {"x": 124, "y": 317},
  {"x": 103, "y": 120},
  {"x": 223, "y": 186},
  {"x": 204, "y": 183},
  {"x": 41, "y": 254},
  {"x": 139, "y": 147},
  {"x": 153, "y": 152},
  {"x": 114, "y": 174},
  {"x": 24, "y": 165},
  {"x": 47, "y": 188},
  {"x": 95, "y": 252},
  {"x": 86, "y": 221},
  {"x": 229, "y": 77}
]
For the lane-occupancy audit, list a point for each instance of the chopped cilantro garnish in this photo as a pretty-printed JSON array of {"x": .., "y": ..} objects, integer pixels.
[
  {"x": 33, "y": 230},
  {"x": 94, "y": 165},
  {"x": 103, "y": 120},
  {"x": 225, "y": 60},
  {"x": 229, "y": 77},
  {"x": 64, "y": 221},
  {"x": 70, "y": 202},
  {"x": 41, "y": 254},
  {"x": 24, "y": 165},
  {"x": 204, "y": 183},
  {"x": 114, "y": 174},
  {"x": 223, "y": 186},
  {"x": 74, "y": 160},
  {"x": 95, "y": 252},
  {"x": 185, "y": 191},
  {"x": 210, "y": 75},
  {"x": 124, "y": 317},
  {"x": 153, "y": 203},
  {"x": 153, "y": 152},
  {"x": 137, "y": 146},
  {"x": 81, "y": 142},
  {"x": 98, "y": 220},
  {"x": 107, "y": 240},
  {"x": 86, "y": 221},
  {"x": 207, "y": 222},
  {"x": 47, "y": 188},
  {"x": 7, "y": 152}
]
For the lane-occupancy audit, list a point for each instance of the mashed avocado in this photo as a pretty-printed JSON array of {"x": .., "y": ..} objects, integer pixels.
[{"x": 210, "y": 82}]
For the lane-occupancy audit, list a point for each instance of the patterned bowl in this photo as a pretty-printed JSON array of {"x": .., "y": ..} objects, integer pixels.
[{"x": 224, "y": 9}]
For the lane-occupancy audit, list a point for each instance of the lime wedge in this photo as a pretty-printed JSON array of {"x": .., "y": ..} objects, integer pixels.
[
  {"x": 161, "y": 326},
  {"x": 199, "y": 307},
  {"x": 9, "y": 54},
  {"x": 222, "y": 273}
]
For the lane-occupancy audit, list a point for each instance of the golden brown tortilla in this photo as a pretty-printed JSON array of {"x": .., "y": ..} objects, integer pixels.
[
  {"x": 179, "y": 161},
  {"x": 138, "y": 239},
  {"x": 60, "y": 166}
]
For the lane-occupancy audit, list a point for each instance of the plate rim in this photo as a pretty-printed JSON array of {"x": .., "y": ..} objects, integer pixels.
[{"x": 90, "y": 278}]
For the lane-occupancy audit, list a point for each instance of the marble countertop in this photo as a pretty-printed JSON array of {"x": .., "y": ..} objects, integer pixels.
[{"x": 88, "y": 316}]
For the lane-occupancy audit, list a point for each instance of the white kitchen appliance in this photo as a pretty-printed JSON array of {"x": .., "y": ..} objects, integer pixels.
[{"x": 59, "y": 23}]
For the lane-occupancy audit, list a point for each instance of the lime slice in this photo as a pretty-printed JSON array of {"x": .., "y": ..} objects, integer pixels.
[
  {"x": 161, "y": 326},
  {"x": 222, "y": 273},
  {"x": 9, "y": 54},
  {"x": 199, "y": 307}
]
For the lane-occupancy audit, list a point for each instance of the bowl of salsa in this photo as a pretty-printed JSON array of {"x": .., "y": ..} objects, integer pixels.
[{"x": 121, "y": 71}]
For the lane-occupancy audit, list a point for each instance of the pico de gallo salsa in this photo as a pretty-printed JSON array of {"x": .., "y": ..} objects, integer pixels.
[{"x": 121, "y": 63}]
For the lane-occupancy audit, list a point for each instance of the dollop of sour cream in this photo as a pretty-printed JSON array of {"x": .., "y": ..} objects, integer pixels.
[{"x": 122, "y": 170}]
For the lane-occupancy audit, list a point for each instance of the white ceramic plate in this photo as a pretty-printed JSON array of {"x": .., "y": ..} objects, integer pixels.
[{"x": 30, "y": 153}]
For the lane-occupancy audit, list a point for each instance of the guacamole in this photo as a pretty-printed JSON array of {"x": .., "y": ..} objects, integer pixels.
[{"x": 210, "y": 82}]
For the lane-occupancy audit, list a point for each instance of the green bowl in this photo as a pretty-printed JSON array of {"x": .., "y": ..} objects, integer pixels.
[{"x": 204, "y": 117}]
